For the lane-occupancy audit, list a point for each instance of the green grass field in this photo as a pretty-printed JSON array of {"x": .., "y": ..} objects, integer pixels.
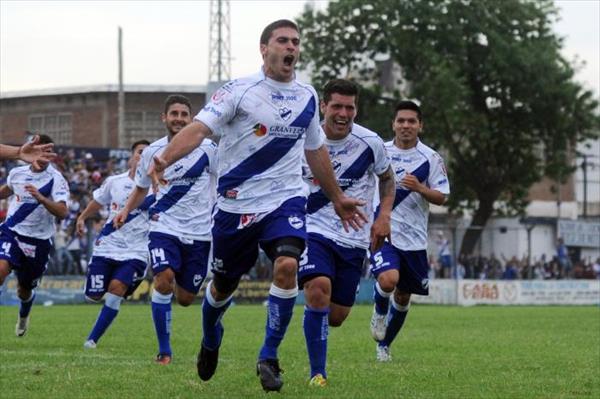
[{"x": 443, "y": 352}]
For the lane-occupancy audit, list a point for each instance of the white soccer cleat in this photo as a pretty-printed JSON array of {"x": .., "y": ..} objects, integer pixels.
[
  {"x": 22, "y": 326},
  {"x": 89, "y": 344},
  {"x": 383, "y": 354},
  {"x": 378, "y": 325}
]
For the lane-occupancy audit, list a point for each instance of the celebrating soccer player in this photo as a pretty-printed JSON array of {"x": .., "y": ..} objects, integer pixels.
[
  {"x": 120, "y": 256},
  {"x": 38, "y": 195},
  {"x": 266, "y": 122},
  {"x": 179, "y": 220},
  {"x": 331, "y": 268},
  {"x": 401, "y": 267}
]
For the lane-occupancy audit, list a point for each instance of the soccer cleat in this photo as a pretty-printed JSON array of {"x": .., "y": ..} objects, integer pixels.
[
  {"x": 318, "y": 381},
  {"x": 22, "y": 326},
  {"x": 378, "y": 325},
  {"x": 270, "y": 374},
  {"x": 89, "y": 344},
  {"x": 162, "y": 359},
  {"x": 207, "y": 363},
  {"x": 383, "y": 354}
]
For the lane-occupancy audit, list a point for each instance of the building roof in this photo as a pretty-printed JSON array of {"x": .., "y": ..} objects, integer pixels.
[{"x": 108, "y": 88}]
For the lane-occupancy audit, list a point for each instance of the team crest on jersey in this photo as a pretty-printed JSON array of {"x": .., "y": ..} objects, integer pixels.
[
  {"x": 246, "y": 220},
  {"x": 296, "y": 222},
  {"x": 336, "y": 165},
  {"x": 285, "y": 113},
  {"x": 260, "y": 129}
]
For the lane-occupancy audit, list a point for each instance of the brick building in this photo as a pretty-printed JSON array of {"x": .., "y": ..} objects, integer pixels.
[{"x": 88, "y": 116}]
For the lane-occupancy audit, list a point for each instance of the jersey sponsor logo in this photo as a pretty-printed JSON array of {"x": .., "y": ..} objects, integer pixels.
[
  {"x": 213, "y": 110},
  {"x": 246, "y": 220},
  {"x": 296, "y": 222},
  {"x": 285, "y": 113},
  {"x": 260, "y": 129},
  {"x": 276, "y": 96},
  {"x": 286, "y": 132}
]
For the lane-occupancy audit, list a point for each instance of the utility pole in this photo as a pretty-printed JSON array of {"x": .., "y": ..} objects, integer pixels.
[
  {"x": 584, "y": 167},
  {"x": 121, "y": 97}
]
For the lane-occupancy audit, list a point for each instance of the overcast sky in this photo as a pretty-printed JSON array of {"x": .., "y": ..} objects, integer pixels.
[{"x": 50, "y": 44}]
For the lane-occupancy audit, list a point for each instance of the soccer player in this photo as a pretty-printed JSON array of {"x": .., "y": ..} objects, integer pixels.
[
  {"x": 38, "y": 195},
  {"x": 33, "y": 152},
  {"x": 331, "y": 267},
  {"x": 120, "y": 257},
  {"x": 179, "y": 220},
  {"x": 266, "y": 122},
  {"x": 401, "y": 267}
]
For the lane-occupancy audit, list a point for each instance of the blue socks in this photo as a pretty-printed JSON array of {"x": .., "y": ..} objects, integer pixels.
[
  {"x": 212, "y": 312},
  {"x": 109, "y": 311},
  {"x": 382, "y": 299},
  {"x": 395, "y": 321},
  {"x": 161, "y": 315},
  {"x": 316, "y": 330},
  {"x": 280, "y": 309},
  {"x": 26, "y": 305}
]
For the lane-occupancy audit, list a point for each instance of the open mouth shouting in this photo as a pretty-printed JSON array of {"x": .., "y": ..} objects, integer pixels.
[{"x": 288, "y": 60}]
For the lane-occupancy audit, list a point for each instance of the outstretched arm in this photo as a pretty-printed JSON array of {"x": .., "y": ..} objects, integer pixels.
[
  {"x": 346, "y": 207},
  {"x": 29, "y": 152},
  {"x": 182, "y": 144}
]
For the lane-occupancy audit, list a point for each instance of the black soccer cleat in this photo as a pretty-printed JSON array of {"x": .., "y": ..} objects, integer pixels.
[
  {"x": 270, "y": 374},
  {"x": 207, "y": 363}
]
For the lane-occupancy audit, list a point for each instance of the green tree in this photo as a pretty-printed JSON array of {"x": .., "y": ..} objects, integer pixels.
[{"x": 498, "y": 97}]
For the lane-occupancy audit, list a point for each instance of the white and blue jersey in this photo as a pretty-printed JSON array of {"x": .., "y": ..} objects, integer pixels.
[
  {"x": 131, "y": 240},
  {"x": 265, "y": 126},
  {"x": 410, "y": 213},
  {"x": 183, "y": 206},
  {"x": 26, "y": 216},
  {"x": 357, "y": 161}
]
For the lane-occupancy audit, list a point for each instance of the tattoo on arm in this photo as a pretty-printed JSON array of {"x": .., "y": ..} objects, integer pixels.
[{"x": 387, "y": 183}]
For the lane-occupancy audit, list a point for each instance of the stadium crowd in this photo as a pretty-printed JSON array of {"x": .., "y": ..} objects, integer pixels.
[{"x": 84, "y": 174}]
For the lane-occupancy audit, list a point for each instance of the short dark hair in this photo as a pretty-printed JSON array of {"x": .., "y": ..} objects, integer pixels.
[
  {"x": 281, "y": 23},
  {"x": 45, "y": 139},
  {"x": 410, "y": 105},
  {"x": 340, "y": 86},
  {"x": 177, "y": 99},
  {"x": 139, "y": 142}
]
